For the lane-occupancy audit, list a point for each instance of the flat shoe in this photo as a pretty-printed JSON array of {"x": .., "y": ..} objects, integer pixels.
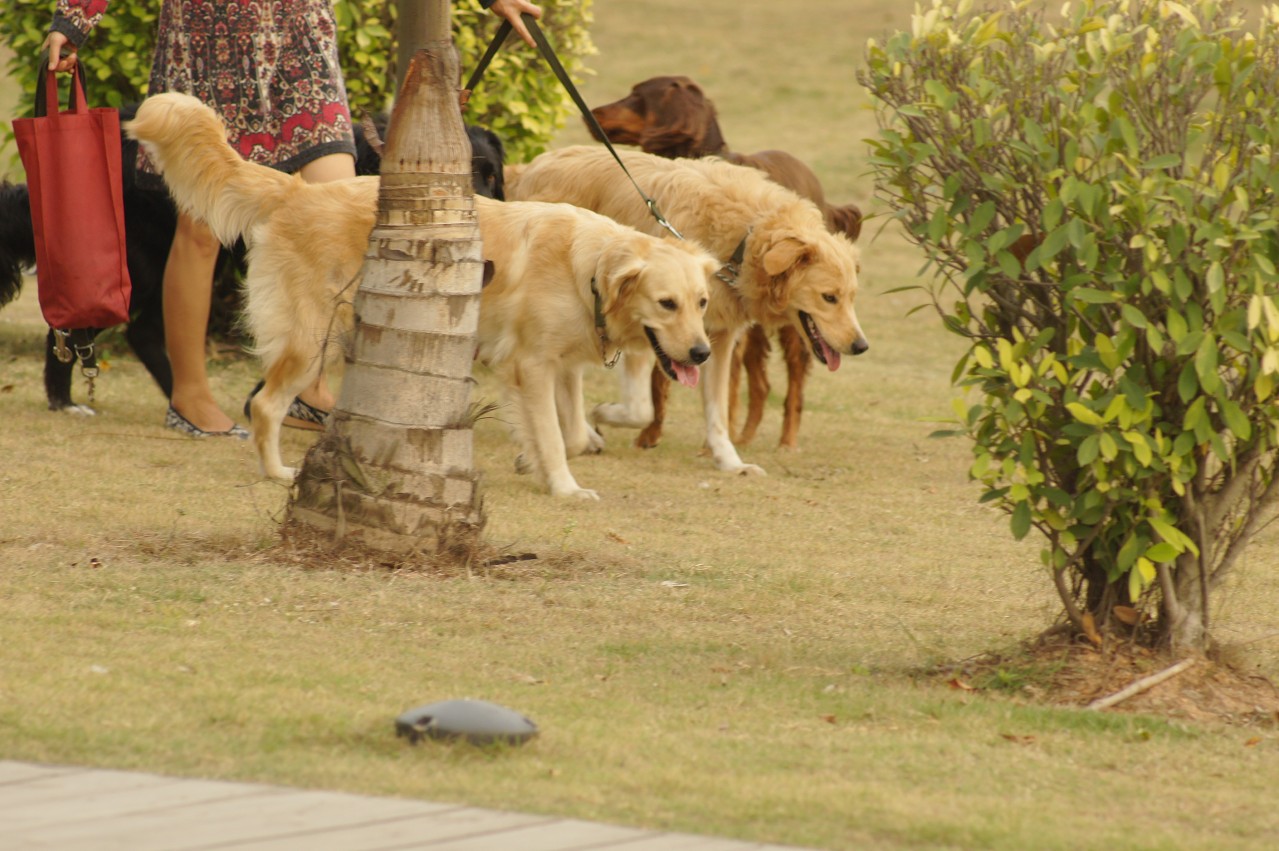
[
  {"x": 304, "y": 415},
  {"x": 175, "y": 421}
]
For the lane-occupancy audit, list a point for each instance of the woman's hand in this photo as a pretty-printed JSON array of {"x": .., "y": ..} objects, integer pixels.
[
  {"x": 62, "y": 52},
  {"x": 511, "y": 10}
]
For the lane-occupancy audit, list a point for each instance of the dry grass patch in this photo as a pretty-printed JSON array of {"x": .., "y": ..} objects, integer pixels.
[{"x": 738, "y": 656}]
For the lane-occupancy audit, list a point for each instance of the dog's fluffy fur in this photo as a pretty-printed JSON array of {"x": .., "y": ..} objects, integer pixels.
[
  {"x": 672, "y": 117},
  {"x": 537, "y": 316},
  {"x": 794, "y": 271},
  {"x": 150, "y": 221},
  {"x": 537, "y": 327}
]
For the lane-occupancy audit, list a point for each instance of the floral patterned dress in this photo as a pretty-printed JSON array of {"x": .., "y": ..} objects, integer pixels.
[{"x": 268, "y": 67}]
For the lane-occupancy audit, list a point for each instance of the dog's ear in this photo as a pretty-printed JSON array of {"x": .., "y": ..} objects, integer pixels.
[
  {"x": 617, "y": 277},
  {"x": 847, "y": 220},
  {"x": 784, "y": 256},
  {"x": 368, "y": 143},
  {"x": 787, "y": 253},
  {"x": 499, "y": 153},
  {"x": 487, "y": 275},
  {"x": 679, "y": 121},
  {"x": 496, "y": 141}
]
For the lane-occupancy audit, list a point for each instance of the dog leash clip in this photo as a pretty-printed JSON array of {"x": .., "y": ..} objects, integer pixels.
[
  {"x": 88, "y": 366},
  {"x": 661, "y": 220},
  {"x": 60, "y": 348}
]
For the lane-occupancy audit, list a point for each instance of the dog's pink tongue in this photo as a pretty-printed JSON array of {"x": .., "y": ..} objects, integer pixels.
[
  {"x": 687, "y": 375},
  {"x": 832, "y": 356}
]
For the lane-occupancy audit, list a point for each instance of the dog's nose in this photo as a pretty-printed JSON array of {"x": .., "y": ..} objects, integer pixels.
[
  {"x": 860, "y": 346},
  {"x": 699, "y": 353}
]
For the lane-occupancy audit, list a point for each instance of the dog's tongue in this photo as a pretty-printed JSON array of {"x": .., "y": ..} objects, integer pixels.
[
  {"x": 832, "y": 356},
  {"x": 687, "y": 375}
]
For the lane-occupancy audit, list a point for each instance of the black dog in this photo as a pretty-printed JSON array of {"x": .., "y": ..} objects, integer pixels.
[{"x": 150, "y": 221}]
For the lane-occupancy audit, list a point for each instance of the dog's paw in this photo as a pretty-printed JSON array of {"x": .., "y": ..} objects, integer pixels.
[
  {"x": 571, "y": 490},
  {"x": 594, "y": 442},
  {"x": 522, "y": 465},
  {"x": 282, "y": 474},
  {"x": 649, "y": 437},
  {"x": 745, "y": 470}
]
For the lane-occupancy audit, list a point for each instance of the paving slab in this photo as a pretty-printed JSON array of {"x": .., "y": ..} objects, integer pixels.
[{"x": 65, "y": 808}]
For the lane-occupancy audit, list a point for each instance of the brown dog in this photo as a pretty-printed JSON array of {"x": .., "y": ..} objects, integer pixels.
[
  {"x": 672, "y": 117},
  {"x": 568, "y": 285},
  {"x": 792, "y": 270}
]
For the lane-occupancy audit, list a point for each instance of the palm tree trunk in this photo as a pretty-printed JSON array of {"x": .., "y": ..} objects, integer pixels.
[{"x": 395, "y": 467}]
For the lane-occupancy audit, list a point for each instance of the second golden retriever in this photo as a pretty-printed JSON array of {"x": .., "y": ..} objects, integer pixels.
[
  {"x": 792, "y": 270},
  {"x": 568, "y": 286}
]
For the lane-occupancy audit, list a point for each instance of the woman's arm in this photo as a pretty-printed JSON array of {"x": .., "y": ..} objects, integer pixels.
[{"x": 73, "y": 20}]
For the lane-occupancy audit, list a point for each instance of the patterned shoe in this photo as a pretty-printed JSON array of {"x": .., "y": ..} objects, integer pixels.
[
  {"x": 175, "y": 421},
  {"x": 304, "y": 415}
]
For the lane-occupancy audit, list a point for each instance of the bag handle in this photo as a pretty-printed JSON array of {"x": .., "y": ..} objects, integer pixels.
[{"x": 47, "y": 90}]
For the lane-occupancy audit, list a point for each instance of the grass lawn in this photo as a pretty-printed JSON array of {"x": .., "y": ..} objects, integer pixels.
[{"x": 747, "y": 657}]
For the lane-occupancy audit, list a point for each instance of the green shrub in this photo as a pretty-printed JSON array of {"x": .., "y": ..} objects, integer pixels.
[
  {"x": 1095, "y": 192},
  {"x": 519, "y": 99}
]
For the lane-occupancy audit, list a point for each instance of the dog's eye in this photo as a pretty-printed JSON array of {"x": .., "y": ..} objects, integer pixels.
[
  {"x": 830, "y": 298},
  {"x": 702, "y": 304},
  {"x": 669, "y": 304}
]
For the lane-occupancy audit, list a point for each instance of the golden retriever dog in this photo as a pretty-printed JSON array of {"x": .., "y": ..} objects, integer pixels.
[
  {"x": 672, "y": 117},
  {"x": 568, "y": 286},
  {"x": 792, "y": 271}
]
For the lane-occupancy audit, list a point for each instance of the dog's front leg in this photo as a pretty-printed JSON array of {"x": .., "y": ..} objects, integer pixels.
[
  {"x": 579, "y": 436},
  {"x": 635, "y": 410},
  {"x": 544, "y": 440},
  {"x": 715, "y": 406}
]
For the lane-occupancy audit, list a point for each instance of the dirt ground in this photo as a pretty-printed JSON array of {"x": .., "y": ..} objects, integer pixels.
[{"x": 1057, "y": 671}]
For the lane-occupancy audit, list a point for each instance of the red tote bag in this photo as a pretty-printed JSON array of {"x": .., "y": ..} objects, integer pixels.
[{"x": 73, "y": 166}]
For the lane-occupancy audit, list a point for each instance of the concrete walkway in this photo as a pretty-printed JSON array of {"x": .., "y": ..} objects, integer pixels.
[{"x": 69, "y": 809}]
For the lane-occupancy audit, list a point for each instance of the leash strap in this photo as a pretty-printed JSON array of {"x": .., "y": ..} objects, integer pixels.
[
  {"x": 551, "y": 59},
  {"x": 487, "y": 59}
]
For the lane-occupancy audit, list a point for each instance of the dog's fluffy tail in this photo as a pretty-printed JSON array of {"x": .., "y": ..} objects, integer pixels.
[
  {"x": 207, "y": 178},
  {"x": 17, "y": 240}
]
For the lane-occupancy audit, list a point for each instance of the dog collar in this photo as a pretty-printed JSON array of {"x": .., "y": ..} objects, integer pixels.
[
  {"x": 729, "y": 272},
  {"x": 601, "y": 328}
]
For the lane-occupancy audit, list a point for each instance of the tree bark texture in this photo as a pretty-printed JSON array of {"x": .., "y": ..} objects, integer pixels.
[{"x": 395, "y": 467}]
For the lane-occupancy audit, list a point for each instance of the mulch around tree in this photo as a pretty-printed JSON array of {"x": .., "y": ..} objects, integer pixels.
[{"x": 1062, "y": 672}]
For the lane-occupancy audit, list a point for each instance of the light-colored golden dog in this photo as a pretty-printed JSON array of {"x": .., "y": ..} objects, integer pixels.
[
  {"x": 568, "y": 285},
  {"x": 793, "y": 270}
]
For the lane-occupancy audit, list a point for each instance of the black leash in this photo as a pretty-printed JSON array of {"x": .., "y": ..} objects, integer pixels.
[{"x": 551, "y": 59}]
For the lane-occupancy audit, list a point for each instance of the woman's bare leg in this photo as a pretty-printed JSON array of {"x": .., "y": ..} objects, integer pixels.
[{"x": 188, "y": 294}]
